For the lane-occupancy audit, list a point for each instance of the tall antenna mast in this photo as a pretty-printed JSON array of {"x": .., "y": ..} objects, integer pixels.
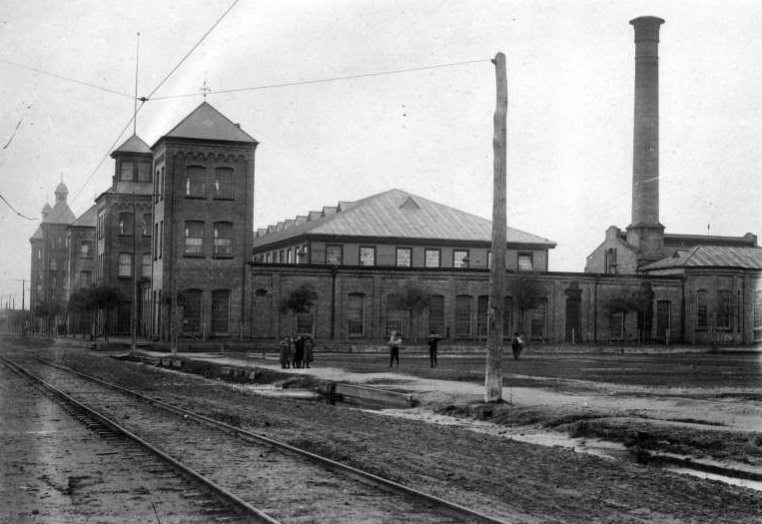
[{"x": 135, "y": 102}]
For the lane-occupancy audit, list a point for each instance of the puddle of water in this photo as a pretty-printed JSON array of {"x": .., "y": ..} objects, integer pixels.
[
  {"x": 268, "y": 390},
  {"x": 744, "y": 483}
]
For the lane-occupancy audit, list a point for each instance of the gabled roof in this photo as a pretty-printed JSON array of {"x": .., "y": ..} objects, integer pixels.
[
  {"x": 88, "y": 218},
  {"x": 711, "y": 256},
  {"x": 134, "y": 144},
  {"x": 400, "y": 215},
  {"x": 37, "y": 234},
  {"x": 60, "y": 214},
  {"x": 206, "y": 123}
]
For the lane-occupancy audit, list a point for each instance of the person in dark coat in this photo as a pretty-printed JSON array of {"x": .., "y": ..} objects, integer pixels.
[
  {"x": 298, "y": 351},
  {"x": 517, "y": 343},
  {"x": 395, "y": 341},
  {"x": 285, "y": 352},
  {"x": 432, "y": 340},
  {"x": 309, "y": 345}
]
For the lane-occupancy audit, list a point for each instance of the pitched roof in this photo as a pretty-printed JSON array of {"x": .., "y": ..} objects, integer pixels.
[
  {"x": 206, "y": 123},
  {"x": 134, "y": 144},
  {"x": 705, "y": 256},
  {"x": 37, "y": 234},
  {"x": 88, "y": 218},
  {"x": 60, "y": 214},
  {"x": 397, "y": 214}
]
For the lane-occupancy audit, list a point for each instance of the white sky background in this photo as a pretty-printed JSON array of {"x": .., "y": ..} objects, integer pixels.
[{"x": 570, "y": 113}]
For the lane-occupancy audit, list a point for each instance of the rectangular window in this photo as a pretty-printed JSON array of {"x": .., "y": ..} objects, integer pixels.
[
  {"x": 84, "y": 278},
  {"x": 723, "y": 309},
  {"x": 223, "y": 239},
  {"x": 194, "y": 238},
  {"x": 86, "y": 249},
  {"x": 432, "y": 258},
  {"x": 144, "y": 171},
  {"x": 191, "y": 309},
  {"x": 393, "y": 315},
  {"x": 194, "y": 182},
  {"x": 220, "y": 311},
  {"x": 146, "y": 265},
  {"x": 125, "y": 265},
  {"x": 460, "y": 258},
  {"x": 333, "y": 255},
  {"x": 367, "y": 256},
  {"x": 161, "y": 238},
  {"x": 525, "y": 262},
  {"x": 125, "y": 223},
  {"x": 463, "y": 316},
  {"x": 223, "y": 183},
  {"x": 147, "y": 221},
  {"x": 290, "y": 256},
  {"x": 404, "y": 257},
  {"x": 758, "y": 310},
  {"x": 155, "y": 241},
  {"x": 701, "y": 310},
  {"x": 126, "y": 174},
  {"x": 356, "y": 315},
  {"x": 610, "y": 261}
]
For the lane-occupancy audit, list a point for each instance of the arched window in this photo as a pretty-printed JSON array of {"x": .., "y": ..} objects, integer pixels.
[
  {"x": 220, "y": 311},
  {"x": 463, "y": 316},
  {"x": 437, "y": 314}
]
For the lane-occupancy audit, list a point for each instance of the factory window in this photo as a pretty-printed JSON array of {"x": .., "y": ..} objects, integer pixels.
[
  {"x": 125, "y": 223},
  {"x": 463, "y": 316},
  {"x": 525, "y": 262},
  {"x": 482, "y": 309},
  {"x": 146, "y": 265},
  {"x": 333, "y": 255},
  {"x": 125, "y": 265},
  {"x": 290, "y": 256},
  {"x": 223, "y": 239},
  {"x": 194, "y": 238},
  {"x": 220, "y": 311},
  {"x": 393, "y": 315},
  {"x": 191, "y": 302},
  {"x": 126, "y": 174},
  {"x": 723, "y": 309},
  {"x": 147, "y": 221},
  {"x": 86, "y": 249},
  {"x": 404, "y": 257},
  {"x": 356, "y": 315},
  {"x": 437, "y": 314},
  {"x": 701, "y": 310},
  {"x": 223, "y": 183},
  {"x": 144, "y": 171},
  {"x": 460, "y": 258},
  {"x": 367, "y": 256},
  {"x": 432, "y": 258},
  {"x": 194, "y": 182}
]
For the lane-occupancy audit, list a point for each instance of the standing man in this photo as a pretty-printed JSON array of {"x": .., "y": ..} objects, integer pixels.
[
  {"x": 395, "y": 341},
  {"x": 432, "y": 340}
]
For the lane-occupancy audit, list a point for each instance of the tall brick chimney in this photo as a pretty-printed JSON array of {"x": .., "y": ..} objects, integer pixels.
[{"x": 645, "y": 232}]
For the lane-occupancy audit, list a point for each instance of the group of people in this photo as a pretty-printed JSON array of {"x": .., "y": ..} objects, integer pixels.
[{"x": 297, "y": 352}]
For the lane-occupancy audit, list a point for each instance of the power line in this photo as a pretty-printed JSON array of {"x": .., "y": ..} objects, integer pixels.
[
  {"x": 325, "y": 80},
  {"x": 144, "y": 99},
  {"x": 14, "y": 209},
  {"x": 191, "y": 51},
  {"x": 68, "y": 79}
]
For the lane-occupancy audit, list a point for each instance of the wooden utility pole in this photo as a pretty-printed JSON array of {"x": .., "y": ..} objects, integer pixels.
[{"x": 493, "y": 377}]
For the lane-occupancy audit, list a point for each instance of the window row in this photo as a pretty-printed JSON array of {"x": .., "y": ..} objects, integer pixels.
[
  {"x": 222, "y": 239},
  {"x": 124, "y": 267},
  {"x": 195, "y": 323},
  {"x": 135, "y": 171},
  {"x": 727, "y": 310},
  {"x": 125, "y": 225},
  {"x": 202, "y": 183}
]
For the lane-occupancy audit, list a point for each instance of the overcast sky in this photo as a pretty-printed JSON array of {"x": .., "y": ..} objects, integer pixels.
[{"x": 570, "y": 87}]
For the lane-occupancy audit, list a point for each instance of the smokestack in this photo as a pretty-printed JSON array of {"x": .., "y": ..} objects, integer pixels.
[{"x": 645, "y": 232}]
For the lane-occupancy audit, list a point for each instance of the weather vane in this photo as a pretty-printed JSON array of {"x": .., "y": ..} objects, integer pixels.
[{"x": 205, "y": 89}]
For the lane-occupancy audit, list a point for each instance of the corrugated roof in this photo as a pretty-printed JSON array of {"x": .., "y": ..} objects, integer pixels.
[
  {"x": 206, "y": 123},
  {"x": 398, "y": 214},
  {"x": 134, "y": 144},
  {"x": 712, "y": 256},
  {"x": 87, "y": 219}
]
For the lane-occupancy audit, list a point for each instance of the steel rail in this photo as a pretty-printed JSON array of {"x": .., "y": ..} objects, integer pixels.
[
  {"x": 222, "y": 494},
  {"x": 451, "y": 508}
]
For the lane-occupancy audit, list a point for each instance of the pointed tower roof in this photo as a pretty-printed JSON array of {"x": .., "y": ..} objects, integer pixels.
[
  {"x": 134, "y": 144},
  {"x": 46, "y": 209},
  {"x": 206, "y": 123},
  {"x": 61, "y": 192}
]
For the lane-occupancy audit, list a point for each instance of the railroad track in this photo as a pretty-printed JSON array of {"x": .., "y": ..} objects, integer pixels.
[{"x": 263, "y": 479}]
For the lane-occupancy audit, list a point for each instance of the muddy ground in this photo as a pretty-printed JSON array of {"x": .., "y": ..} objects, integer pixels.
[{"x": 536, "y": 483}]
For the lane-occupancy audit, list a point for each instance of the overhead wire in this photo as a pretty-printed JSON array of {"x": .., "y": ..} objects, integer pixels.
[
  {"x": 14, "y": 209},
  {"x": 143, "y": 100},
  {"x": 62, "y": 77},
  {"x": 324, "y": 80}
]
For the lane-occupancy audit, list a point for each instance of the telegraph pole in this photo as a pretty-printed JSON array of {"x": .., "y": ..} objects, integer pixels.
[
  {"x": 134, "y": 308},
  {"x": 493, "y": 377}
]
